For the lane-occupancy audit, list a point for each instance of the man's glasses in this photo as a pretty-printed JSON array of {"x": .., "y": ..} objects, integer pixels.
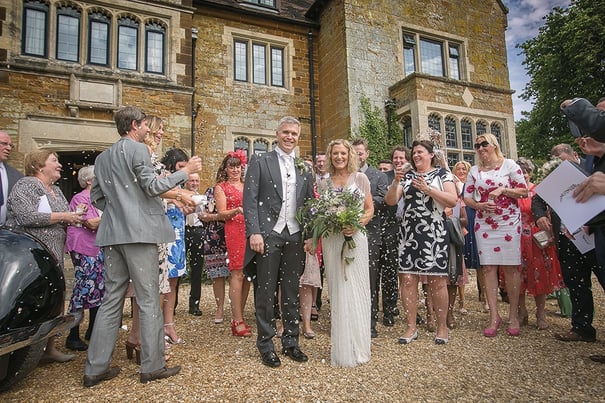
[
  {"x": 5, "y": 144},
  {"x": 483, "y": 144}
]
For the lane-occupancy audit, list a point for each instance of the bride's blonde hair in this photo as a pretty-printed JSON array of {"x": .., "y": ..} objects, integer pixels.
[{"x": 353, "y": 164}]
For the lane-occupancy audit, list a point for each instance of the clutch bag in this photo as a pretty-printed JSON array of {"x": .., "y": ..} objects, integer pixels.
[{"x": 542, "y": 239}]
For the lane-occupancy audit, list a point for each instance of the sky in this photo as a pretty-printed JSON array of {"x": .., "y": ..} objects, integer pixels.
[{"x": 525, "y": 17}]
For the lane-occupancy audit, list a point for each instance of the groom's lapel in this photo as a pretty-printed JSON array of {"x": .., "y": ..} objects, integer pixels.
[{"x": 275, "y": 172}]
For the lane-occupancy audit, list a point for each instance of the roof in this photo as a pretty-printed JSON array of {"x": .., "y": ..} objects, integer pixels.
[{"x": 287, "y": 10}]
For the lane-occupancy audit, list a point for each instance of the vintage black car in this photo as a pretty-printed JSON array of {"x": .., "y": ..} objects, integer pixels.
[{"x": 32, "y": 292}]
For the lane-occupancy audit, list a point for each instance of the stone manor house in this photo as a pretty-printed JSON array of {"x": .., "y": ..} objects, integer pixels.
[{"x": 222, "y": 72}]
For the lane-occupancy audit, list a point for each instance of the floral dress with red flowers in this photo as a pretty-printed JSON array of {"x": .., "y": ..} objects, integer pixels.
[{"x": 498, "y": 233}]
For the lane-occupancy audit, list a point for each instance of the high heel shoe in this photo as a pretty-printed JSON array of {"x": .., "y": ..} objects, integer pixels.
[
  {"x": 169, "y": 338},
  {"x": 513, "y": 331},
  {"x": 244, "y": 332},
  {"x": 133, "y": 348},
  {"x": 408, "y": 340},
  {"x": 491, "y": 332}
]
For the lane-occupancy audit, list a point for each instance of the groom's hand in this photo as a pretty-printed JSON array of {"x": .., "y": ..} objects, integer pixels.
[{"x": 257, "y": 243}]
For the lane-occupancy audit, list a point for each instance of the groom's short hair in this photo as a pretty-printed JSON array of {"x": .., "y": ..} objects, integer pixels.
[{"x": 288, "y": 120}]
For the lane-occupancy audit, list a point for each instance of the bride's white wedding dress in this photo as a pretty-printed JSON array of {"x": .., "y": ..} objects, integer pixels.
[{"x": 349, "y": 292}]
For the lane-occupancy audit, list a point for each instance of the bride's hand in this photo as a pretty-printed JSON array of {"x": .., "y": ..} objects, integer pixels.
[{"x": 348, "y": 231}]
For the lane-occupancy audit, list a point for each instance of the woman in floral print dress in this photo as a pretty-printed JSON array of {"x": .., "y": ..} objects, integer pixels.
[{"x": 492, "y": 189}]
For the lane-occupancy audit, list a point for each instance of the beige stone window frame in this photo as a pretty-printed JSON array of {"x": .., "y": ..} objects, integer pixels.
[
  {"x": 233, "y": 35},
  {"x": 114, "y": 10},
  {"x": 411, "y": 38},
  {"x": 460, "y": 151}
]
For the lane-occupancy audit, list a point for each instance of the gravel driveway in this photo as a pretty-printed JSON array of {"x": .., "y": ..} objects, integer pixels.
[{"x": 220, "y": 367}]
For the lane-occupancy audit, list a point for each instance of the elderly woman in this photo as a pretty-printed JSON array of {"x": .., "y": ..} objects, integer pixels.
[
  {"x": 38, "y": 207},
  {"x": 424, "y": 244},
  {"x": 87, "y": 258},
  {"x": 492, "y": 189}
]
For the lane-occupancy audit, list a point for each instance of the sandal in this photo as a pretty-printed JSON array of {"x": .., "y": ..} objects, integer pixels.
[{"x": 314, "y": 316}]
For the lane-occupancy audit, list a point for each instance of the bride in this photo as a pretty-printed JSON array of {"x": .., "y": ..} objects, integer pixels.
[{"x": 348, "y": 283}]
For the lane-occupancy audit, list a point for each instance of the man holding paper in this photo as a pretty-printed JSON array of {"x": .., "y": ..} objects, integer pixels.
[{"x": 591, "y": 122}]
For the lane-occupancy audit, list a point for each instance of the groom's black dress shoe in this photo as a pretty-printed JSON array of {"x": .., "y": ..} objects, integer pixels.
[
  {"x": 388, "y": 319},
  {"x": 295, "y": 354},
  {"x": 270, "y": 359}
]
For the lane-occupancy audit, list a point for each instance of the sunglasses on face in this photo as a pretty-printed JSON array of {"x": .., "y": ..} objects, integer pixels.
[{"x": 483, "y": 144}]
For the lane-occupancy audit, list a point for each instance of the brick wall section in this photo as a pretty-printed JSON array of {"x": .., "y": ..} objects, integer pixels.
[{"x": 228, "y": 105}]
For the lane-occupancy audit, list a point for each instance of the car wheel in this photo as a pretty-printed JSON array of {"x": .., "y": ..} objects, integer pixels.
[{"x": 20, "y": 363}]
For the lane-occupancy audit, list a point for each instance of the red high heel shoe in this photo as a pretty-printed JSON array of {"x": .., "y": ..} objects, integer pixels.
[{"x": 244, "y": 332}]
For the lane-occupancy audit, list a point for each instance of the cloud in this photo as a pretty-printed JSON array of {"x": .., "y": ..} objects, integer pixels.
[{"x": 525, "y": 17}]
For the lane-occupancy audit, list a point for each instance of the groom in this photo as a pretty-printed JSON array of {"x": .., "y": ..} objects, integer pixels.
[{"x": 276, "y": 185}]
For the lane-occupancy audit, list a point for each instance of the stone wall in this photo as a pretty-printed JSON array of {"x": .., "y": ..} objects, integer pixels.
[
  {"x": 229, "y": 108},
  {"x": 368, "y": 58}
]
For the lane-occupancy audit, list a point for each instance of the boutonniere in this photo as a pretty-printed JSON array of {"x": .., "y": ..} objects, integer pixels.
[{"x": 301, "y": 165}]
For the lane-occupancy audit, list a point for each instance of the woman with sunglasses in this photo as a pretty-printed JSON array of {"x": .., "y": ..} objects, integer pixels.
[{"x": 493, "y": 188}]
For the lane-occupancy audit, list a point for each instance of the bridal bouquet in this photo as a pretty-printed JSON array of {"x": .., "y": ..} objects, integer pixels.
[{"x": 333, "y": 211}]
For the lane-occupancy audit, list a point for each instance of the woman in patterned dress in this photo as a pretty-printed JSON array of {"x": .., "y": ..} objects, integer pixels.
[
  {"x": 87, "y": 258},
  {"x": 424, "y": 244},
  {"x": 493, "y": 188},
  {"x": 176, "y": 210},
  {"x": 214, "y": 250},
  {"x": 37, "y": 206}
]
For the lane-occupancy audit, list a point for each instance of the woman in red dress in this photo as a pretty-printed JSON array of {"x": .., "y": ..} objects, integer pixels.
[
  {"x": 541, "y": 270},
  {"x": 228, "y": 194}
]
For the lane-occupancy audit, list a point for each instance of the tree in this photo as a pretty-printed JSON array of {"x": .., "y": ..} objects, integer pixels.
[
  {"x": 565, "y": 60},
  {"x": 382, "y": 135}
]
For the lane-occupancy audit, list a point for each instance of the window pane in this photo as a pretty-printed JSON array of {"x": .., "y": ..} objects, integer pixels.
[
  {"x": 277, "y": 67},
  {"x": 99, "y": 42},
  {"x": 240, "y": 144},
  {"x": 409, "y": 54},
  {"x": 466, "y": 130},
  {"x": 407, "y": 131},
  {"x": 260, "y": 147},
  {"x": 127, "y": 47},
  {"x": 68, "y": 31},
  {"x": 470, "y": 158},
  {"x": 270, "y": 3},
  {"x": 241, "y": 57},
  {"x": 431, "y": 57},
  {"x": 481, "y": 128},
  {"x": 454, "y": 63},
  {"x": 435, "y": 122},
  {"x": 155, "y": 51},
  {"x": 451, "y": 137},
  {"x": 259, "y": 64},
  {"x": 495, "y": 129},
  {"x": 35, "y": 32},
  {"x": 452, "y": 158}
]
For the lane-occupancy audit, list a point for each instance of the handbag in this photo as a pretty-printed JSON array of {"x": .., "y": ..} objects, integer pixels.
[
  {"x": 541, "y": 239},
  {"x": 454, "y": 229}
]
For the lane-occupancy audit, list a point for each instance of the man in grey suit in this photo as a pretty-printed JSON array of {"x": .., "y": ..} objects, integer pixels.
[
  {"x": 276, "y": 185},
  {"x": 8, "y": 174},
  {"x": 133, "y": 223},
  {"x": 378, "y": 187}
]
